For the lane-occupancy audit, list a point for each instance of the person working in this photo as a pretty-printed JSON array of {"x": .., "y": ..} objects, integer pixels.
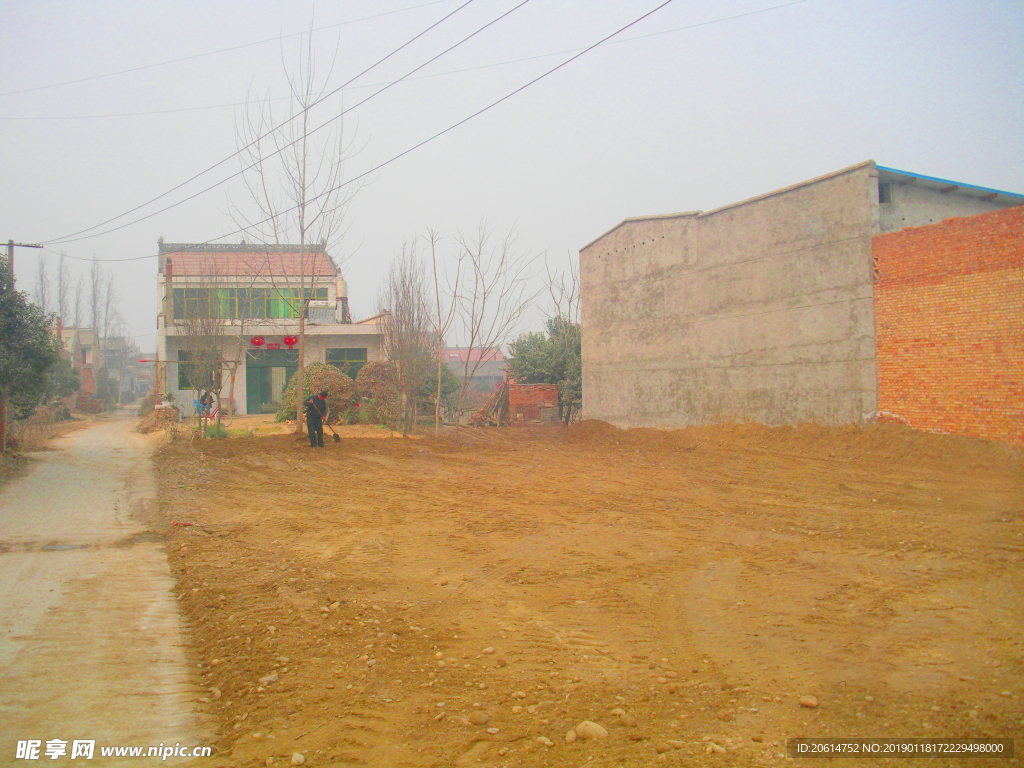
[{"x": 316, "y": 412}]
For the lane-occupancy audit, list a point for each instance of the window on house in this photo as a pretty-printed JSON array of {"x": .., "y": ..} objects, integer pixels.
[
  {"x": 884, "y": 192},
  {"x": 193, "y": 376},
  {"x": 256, "y": 303},
  {"x": 198, "y": 302},
  {"x": 348, "y": 361},
  {"x": 233, "y": 303}
]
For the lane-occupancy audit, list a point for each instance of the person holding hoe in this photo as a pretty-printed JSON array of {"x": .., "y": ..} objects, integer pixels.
[{"x": 316, "y": 414}]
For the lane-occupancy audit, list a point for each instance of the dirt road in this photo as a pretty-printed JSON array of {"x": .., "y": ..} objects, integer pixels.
[
  {"x": 430, "y": 603},
  {"x": 91, "y": 641}
]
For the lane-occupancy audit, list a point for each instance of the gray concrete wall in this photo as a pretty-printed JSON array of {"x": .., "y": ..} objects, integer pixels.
[
  {"x": 760, "y": 311},
  {"x": 915, "y": 205}
]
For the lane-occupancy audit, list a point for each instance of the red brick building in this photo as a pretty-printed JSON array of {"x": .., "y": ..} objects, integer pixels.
[
  {"x": 532, "y": 402},
  {"x": 949, "y": 325}
]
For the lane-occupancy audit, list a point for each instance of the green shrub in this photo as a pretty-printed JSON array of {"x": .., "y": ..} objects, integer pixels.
[{"x": 340, "y": 391}]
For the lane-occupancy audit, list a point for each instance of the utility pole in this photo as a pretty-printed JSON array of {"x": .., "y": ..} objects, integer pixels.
[{"x": 3, "y": 395}]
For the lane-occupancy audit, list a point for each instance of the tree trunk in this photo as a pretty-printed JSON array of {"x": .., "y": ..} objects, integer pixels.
[
  {"x": 437, "y": 402},
  {"x": 3, "y": 423},
  {"x": 300, "y": 373},
  {"x": 231, "y": 391}
]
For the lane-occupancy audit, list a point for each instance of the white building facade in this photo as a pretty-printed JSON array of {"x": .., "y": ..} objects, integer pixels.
[{"x": 248, "y": 298}]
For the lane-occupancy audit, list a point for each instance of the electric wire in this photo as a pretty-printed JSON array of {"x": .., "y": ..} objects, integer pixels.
[
  {"x": 579, "y": 53},
  {"x": 419, "y": 77},
  {"x": 102, "y": 261},
  {"x": 66, "y": 238},
  {"x": 218, "y": 51},
  {"x": 439, "y": 133},
  {"x": 452, "y": 127},
  {"x": 278, "y": 151}
]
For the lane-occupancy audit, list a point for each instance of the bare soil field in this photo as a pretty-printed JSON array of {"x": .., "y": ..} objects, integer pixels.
[{"x": 390, "y": 602}]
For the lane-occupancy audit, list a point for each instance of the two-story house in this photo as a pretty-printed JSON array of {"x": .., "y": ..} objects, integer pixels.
[{"x": 249, "y": 299}]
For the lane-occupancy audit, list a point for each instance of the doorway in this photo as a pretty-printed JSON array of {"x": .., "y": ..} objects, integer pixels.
[{"x": 267, "y": 373}]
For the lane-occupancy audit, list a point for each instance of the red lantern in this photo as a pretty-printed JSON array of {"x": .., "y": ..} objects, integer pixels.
[
  {"x": 290, "y": 341},
  {"x": 257, "y": 341}
]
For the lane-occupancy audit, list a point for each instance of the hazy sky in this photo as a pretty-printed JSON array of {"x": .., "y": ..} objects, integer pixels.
[{"x": 689, "y": 119}]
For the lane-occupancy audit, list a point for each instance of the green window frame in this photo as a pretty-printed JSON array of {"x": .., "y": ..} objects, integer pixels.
[
  {"x": 234, "y": 303},
  {"x": 348, "y": 360}
]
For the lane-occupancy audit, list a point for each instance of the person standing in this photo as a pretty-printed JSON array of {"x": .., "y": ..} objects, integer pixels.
[{"x": 316, "y": 413}]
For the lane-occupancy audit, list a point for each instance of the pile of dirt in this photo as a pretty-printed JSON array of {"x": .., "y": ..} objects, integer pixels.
[{"x": 160, "y": 418}]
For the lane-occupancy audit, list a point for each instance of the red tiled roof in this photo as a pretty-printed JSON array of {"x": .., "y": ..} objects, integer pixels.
[{"x": 200, "y": 264}]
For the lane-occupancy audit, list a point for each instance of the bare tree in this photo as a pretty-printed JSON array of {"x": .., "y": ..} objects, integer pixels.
[
  {"x": 492, "y": 298},
  {"x": 63, "y": 289},
  {"x": 442, "y": 322},
  {"x": 95, "y": 295},
  {"x": 109, "y": 305},
  {"x": 201, "y": 331},
  {"x": 405, "y": 328},
  {"x": 565, "y": 335},
  {"x": 296, "y": 183},
  {"x": 79, "y": 295},
  {"x": 41, "y": 290}
]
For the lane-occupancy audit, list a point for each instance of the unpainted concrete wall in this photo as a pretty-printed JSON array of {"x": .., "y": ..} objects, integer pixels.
[
  {"x": 760, "y": 311},
  {"x": 917, "y": 206}
]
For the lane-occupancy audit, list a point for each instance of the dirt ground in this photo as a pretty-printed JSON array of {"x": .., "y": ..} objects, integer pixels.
[{"x": 683, "y": 589}]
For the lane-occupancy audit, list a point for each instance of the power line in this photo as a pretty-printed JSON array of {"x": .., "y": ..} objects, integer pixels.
[
  {"x": 420, "y": 77},
  {"x": 218, "y": 51},
  {"x": 485, "y": 109},
  {"x": 265, "y": 135},
  {"x": 71, "y": 238},
  {"x": 450, "y": 128},
  {"x": 102, "y": 261}
]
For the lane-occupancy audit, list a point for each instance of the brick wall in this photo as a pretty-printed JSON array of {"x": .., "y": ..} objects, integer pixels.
[
  {"x": 532, "y": 402},
  {"x": 949, "y": 322}
]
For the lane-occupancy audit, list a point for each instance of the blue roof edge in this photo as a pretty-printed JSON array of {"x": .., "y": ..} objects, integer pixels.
[{"x": 949, "y": 181}]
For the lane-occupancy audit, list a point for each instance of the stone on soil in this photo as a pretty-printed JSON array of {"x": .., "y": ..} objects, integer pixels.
[
  {"x": 588, "y": 730},
  {"x": 479, "y": 718},
  {"x": 808, "y": 701}
]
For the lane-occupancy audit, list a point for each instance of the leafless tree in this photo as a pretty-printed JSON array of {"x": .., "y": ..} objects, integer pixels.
[
  {"x": 79, "y": 295},
  {"x": 202, "y": 330},
  {"x": 41, "y": 290},
  {"x": 117, "y": 346},
  {"x": 295, "y": 185},
  {"x": 109, "y": 307},
  {"x": 563, "y": 292},
  {"x": 405, "y": 326},
  {"x": 63, "y": 289},
  {"x": 95, "y": 295},
  {"x": 446, "y": 309},
  {"x": 565, "y": 333},
  {"x": 492, "y": 298}
]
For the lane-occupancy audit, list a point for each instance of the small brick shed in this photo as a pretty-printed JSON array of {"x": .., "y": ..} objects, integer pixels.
[{"x": 532, "y": 402}]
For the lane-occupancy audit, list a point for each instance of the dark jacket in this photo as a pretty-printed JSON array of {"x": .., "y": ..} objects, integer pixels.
[{"x": 316, "y": 409}]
